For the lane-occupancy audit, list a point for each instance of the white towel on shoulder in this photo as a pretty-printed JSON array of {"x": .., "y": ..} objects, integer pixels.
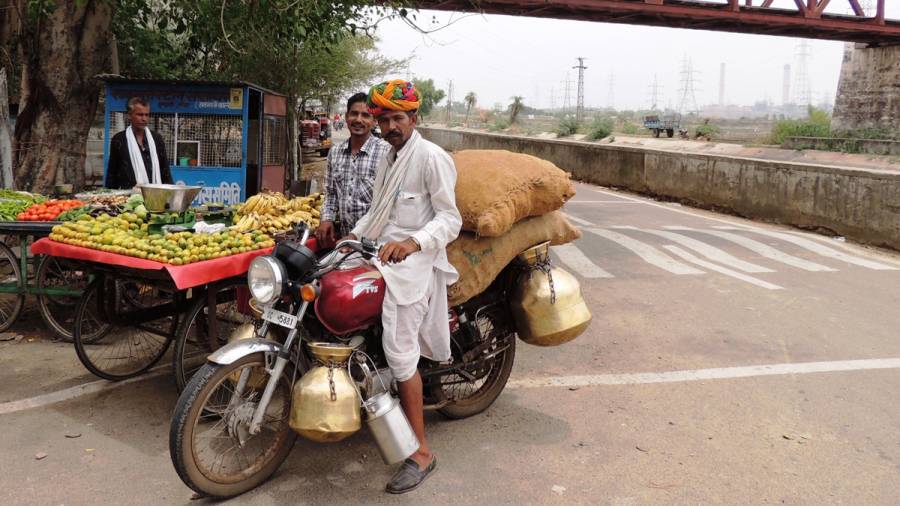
[{"x": 137, "y": 161}]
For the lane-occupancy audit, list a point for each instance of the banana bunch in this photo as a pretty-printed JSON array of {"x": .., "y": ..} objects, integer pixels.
[
  {"x": 272, "y": 212},
  {"x": 272, "y": 223},
  {"x": 264, "y": 202}
]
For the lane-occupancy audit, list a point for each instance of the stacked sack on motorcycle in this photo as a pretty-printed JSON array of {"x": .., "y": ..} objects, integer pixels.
[{"x": 510, "y": 204}]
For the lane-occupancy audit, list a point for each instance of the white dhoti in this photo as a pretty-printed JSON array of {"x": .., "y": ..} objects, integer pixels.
[{"x": 416, "y": 329}]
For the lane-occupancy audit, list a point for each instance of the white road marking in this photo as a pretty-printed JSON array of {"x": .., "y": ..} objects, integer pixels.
[
  {"x": 724, "y": 270},
  {"x": 576, "y": 219},
  {"x": 570, "y": 255},
  {"x": 707, "y": 374},
  {"x": 819, "y": 249},
  {"x": 76, "y": 391},
  {"x": 648, "y": 253},
  {"x": 710, "y": 252},
  {"x": 603, "y": 202},
  {"x": 760, "y": 248},
  {"x": 668, "y": 208},
  {"x": 856, "y": 249}
]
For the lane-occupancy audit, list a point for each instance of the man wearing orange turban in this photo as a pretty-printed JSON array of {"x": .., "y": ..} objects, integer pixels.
[{"x": 414, "y": 215}]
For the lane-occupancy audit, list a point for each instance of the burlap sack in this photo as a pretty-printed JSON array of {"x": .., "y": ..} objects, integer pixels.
[
  {"x": 480, "y": 260},
  {"x": 495, "y": 189}
]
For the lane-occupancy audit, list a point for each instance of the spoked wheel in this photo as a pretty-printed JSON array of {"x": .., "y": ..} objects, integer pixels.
[
  {"x": 192, "y": 341},
  {"x": 127, "y": 348},
  {"x": 209, "y": 440},
  {"x": 11, "y": 302},
  {"x": 58, "y": 311},
  {"x": 467, "y": 396}
]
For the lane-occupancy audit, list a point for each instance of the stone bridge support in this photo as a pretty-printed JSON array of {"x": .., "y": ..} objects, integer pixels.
[{"x": 868, "y": 94}]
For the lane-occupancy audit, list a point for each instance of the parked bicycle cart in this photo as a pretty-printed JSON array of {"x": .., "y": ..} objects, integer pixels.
[
  {"x": 57, "y": 283},
  {"x": 133, "y": 309}
]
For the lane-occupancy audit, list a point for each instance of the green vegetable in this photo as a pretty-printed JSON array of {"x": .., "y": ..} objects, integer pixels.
[
  {"x": 134, "y": 201},
  {"x": 73, "y": 214},
  {"x": 10, "y": 208}
]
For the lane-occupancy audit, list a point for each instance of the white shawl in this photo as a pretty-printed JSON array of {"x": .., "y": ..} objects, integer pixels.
[
  {"x": 137, "y": 161},
  {"x": 387, "y": 186}
]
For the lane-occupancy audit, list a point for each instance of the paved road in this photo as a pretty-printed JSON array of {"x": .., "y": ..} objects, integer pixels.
[{"x": 728, "y": 362}]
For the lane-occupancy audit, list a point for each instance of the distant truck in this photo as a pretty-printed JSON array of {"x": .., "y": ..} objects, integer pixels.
[{"x": 668, "y": 124}]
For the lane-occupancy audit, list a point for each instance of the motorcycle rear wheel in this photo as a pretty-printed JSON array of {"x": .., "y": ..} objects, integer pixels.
[
  {"x": 485, "y": 395},
  {"x": 202, "y": 403}
]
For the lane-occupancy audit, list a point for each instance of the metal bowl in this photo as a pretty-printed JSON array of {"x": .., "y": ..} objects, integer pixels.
[{"x": 160, "y": 198}]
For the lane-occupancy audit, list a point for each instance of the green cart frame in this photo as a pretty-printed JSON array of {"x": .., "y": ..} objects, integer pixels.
[{"x": 56, "y": 283}]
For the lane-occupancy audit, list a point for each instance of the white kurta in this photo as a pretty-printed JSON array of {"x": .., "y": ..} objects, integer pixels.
[{"x": 424, "y": 208}]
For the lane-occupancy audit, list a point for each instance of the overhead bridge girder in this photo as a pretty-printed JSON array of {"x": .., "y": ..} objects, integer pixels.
[{"x": 807, "y": 20}]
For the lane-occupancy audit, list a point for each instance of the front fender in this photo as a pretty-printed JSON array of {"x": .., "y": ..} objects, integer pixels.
[{"x": 236, "y": 350}]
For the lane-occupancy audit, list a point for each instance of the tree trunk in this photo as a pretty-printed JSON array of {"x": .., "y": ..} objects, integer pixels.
[
  {"x": 62, "y": 52},
  {"x": 6, "y": 161}
]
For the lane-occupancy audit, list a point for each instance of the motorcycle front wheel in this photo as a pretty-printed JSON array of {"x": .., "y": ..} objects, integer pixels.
[{"x": 209, "y": 440}]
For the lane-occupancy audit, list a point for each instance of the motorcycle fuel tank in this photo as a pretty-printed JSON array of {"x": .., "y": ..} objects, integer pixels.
[{"x": 350, "y": 299}]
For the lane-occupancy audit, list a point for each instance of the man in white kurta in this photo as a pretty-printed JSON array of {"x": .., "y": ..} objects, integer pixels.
[{"x": 414, "y": 216}]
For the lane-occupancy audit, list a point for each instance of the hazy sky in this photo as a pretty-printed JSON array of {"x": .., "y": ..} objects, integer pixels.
[{"x": 501, "y": 56}]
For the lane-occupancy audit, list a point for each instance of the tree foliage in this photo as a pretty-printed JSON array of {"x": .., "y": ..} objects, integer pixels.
[
  {"x": 470, "y": 101},
  {"x": 429, "y": 95},
  {"x": 515, "y": 108}
]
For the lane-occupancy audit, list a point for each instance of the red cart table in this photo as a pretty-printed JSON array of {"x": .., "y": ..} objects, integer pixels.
[{"x": 132, "y": 310}]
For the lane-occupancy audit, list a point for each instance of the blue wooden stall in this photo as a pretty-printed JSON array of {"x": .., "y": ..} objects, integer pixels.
[{"x": 228, "y": 137}]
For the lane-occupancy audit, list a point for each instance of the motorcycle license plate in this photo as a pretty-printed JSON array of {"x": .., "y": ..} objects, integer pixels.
[{"x": 280, "y": 318}]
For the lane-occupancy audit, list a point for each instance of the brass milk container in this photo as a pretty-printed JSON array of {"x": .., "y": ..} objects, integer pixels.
[
  {"x": 326, "y": 404},
  {"x": 546, "y": 301}
]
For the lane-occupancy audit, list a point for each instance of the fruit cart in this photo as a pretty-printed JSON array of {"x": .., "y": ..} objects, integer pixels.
[
  {"x": 56, "y": 283},
  {"x": 133, "y": 308}
]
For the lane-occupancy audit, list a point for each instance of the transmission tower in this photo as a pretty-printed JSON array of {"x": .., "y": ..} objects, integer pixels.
[
  {"x": 611, "y": 96},
  {"x": 802, "y": 85},
  {"x": 687, "y": 92},
  {"x": 552, "y": 98},
  {"x": 579, "y": 110},
  {"x": 654, "y": 93},
  {"x": 567, "y": 100}
]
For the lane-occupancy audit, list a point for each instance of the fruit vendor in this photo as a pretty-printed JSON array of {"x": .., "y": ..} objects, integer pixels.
[
  {"x": 414, "y": 216},
  {"x": 350, "y": 174},
  {"x": 137, "y": 155}
]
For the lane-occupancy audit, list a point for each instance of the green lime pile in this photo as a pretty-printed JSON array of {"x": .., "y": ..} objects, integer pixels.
[{"x": 127, "y": 234}]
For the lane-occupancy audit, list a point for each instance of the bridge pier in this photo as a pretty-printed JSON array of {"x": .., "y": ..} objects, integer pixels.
[{"x": 868, "y": 94}]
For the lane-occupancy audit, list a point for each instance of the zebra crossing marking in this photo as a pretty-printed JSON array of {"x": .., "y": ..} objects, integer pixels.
[
  {"x": 710, "y": 252},
  {"x": 647, "y": 253},
  {"x": 722, "y": 270},
  {"x": 760, "y": 248},
  {"x": 573, "y": 257},
  {"x": 818, "y": 248}
]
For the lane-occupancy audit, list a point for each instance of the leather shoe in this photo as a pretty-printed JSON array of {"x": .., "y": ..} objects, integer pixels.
[{"x": 409, "y": 476}]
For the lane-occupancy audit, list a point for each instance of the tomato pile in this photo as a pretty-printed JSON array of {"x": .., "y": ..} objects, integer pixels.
[{"x": 48, "y": 211}]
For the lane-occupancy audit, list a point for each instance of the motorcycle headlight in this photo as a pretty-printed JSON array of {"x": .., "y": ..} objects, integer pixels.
[{"x": 266, "y": 279}]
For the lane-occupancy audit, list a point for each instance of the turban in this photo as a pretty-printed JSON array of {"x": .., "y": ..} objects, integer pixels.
[{"x": 396, "y": 95}]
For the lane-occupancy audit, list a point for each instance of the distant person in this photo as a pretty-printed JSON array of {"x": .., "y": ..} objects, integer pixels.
[
  {"x": 134, "y": 157},
  {"x": 350, "y": 173}
]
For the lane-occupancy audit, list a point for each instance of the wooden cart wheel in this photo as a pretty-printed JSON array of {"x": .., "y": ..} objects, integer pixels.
[
  {"x": 58, "y": 311},
  {"x": 12, "y": 300},
  {"x": 193, "y": 342},
  {"x": 127, "y": 348}
]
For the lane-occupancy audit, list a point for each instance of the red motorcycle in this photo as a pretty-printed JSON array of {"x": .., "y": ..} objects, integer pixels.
[{"x": 230, "y": 430}]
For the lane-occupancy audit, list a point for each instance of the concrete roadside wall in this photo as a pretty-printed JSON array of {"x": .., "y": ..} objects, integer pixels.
[
  {"x": 863, "y": 205},
  {"x": 871, "y": 146}
]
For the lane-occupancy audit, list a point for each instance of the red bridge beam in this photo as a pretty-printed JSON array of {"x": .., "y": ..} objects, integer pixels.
[{"x": 808, "y": 20}]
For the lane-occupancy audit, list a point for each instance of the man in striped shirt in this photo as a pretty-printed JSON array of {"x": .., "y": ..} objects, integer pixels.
[{"x": 350, "y": 174}]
